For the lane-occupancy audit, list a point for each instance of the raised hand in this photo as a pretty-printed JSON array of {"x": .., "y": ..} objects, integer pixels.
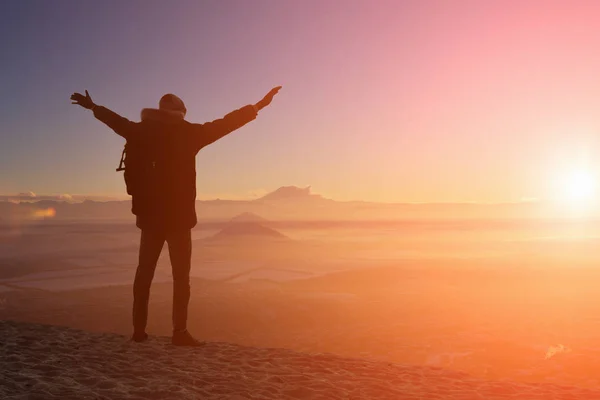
[
  {"x": 83, "y": 101},
  {"x": 268, "y": 98}
]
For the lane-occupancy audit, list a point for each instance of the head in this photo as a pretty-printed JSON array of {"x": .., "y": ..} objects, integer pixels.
[
  {"x": 172, "y": 104},
  {"x": 170, "y": 109}
]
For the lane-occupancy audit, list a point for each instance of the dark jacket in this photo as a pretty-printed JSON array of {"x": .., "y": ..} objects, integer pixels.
[{"x": 173, "y": 205}]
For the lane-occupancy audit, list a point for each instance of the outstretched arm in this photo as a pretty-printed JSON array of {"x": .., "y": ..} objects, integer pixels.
[
  {"x": 122, "y": 126},
  {"x": 210, "y": 132}
]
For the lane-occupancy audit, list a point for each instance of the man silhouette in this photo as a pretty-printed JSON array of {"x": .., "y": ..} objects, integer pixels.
[{"x": 165, "y": 210}]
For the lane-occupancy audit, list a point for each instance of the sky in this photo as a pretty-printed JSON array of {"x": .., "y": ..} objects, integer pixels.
[{"x": 394, "y": 101}]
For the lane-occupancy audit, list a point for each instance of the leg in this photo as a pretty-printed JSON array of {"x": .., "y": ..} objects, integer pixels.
[
  {"x": 180, "y": 253},
  {"x": 151, "y": 245}
]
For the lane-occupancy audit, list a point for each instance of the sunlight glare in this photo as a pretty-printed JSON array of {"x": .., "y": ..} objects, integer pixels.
[{"x": 578, "y": 188}]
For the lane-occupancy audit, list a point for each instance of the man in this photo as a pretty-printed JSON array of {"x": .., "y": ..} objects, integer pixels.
[{"x": 165, "y": 205}]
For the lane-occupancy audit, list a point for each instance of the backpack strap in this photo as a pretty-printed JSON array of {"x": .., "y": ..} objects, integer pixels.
[{"x": 121, "y": 167}]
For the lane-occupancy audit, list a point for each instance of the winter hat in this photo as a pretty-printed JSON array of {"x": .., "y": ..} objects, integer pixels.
[
  {"x": 170, "y": 102},
  {"x": 170, "y": 108}
]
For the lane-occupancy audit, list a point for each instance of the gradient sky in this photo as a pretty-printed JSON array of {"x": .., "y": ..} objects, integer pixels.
[{"x": 394, "y": 100}]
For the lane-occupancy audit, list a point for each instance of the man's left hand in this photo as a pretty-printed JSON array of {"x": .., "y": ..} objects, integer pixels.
[{"x": 268, "y": 98}]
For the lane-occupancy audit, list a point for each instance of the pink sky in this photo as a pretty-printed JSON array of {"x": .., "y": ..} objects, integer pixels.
[{"x": 388, "y": 100}]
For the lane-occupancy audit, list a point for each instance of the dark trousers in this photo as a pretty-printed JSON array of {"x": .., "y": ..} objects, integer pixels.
[{"x": 180, "y": 253}]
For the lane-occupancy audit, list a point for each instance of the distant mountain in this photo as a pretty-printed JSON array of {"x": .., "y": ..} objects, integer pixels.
[
  {"x": 291, "y": 193},
  {"x": 248, "y": 217},
  {"x": 247, "y": 230}
]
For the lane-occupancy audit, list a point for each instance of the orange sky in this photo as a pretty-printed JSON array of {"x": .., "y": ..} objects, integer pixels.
[{"x": 426, "y": 101}]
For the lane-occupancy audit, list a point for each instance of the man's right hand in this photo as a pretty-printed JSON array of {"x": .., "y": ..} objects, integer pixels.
[
  {"x": 83, "y": 101},
  {"x": 268, "y": 98}
]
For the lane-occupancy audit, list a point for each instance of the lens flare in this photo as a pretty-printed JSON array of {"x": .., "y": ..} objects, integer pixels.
[{"x": 44, "y": 213}]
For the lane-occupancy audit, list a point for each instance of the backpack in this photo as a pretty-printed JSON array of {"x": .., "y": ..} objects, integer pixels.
[{"x": 138, "y": 163}]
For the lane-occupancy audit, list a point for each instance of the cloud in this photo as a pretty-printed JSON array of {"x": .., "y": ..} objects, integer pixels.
[{"x": 29, "y": 197}]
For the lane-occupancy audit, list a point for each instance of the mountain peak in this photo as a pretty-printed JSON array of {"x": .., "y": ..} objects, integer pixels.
[
  {"x": 290, "y": 192},
  {"x": 247, "y": 231},
  {"x": 247, "y": 217}
]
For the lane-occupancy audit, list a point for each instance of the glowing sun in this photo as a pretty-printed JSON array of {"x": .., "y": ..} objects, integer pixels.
[{"x": 578, "y": 187}]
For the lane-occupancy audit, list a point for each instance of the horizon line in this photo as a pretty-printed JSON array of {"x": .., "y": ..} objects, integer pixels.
[{"x": 106, "y": 199}]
